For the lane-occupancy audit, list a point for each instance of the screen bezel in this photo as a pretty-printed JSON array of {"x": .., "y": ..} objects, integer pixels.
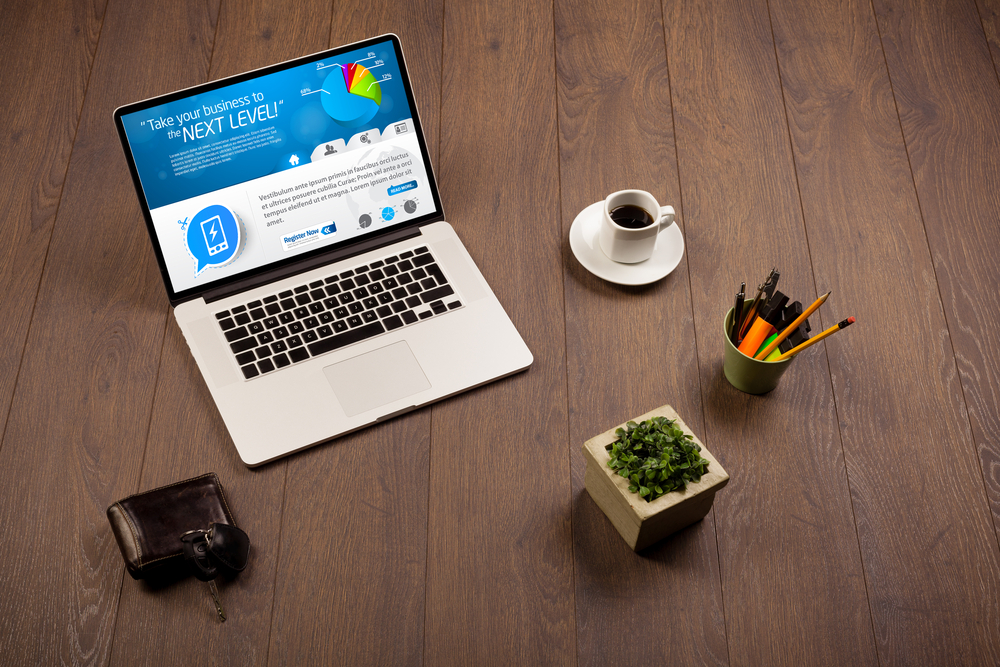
[{"x": 314, "y": 257}]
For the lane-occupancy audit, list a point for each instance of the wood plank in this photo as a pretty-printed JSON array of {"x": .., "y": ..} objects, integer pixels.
[
  {"x": 55, "y": 42},
  {"x": 947, "y": 94},
  {"x": 187, "y": 436},
  {"x": 80, "y": 415},
  {"x": 353, "y": 540},
  {"x": 791, "y": 573},
  {"x": 628, "y": 349},
  {"x": 499, "y": 563}
]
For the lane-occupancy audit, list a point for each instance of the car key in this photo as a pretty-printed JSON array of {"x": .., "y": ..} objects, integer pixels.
[{"x": 196, "y": 553}]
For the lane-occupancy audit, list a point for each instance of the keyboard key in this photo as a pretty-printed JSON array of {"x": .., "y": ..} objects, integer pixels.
[
  {"x": 311, "y": 322},
  {"x": 254, "y": 304},
  {"x": 369, "y": 316},
  {"x": 279, "y": 346},
  {"x": 413, "y": 301},
  {"x": 250, "y": 371},
  {"x": 302, "y": 299},
  {"x": 271, "y": 322},
  {"x": 359, "y": 269},
  {"x": 346, "y": 298},
  {"x": 273, "y": 308},
  {"x": 296, "y": 328},
  {"x": 347, "y": 285},
  {"x": 263, "y": 352},
  {"x": 317, "y": 294},
  {"x": 309, "y": 337},
  {"x": 236, "y": 334},
  {"x": 294, "y": 341},
  {"x": 339, "y": 326},
  {"x": 298, "y": 354},
  {"x": 271, "y": 299},
  {"x": 399, "y": 293},
  {"x": 346, "y": 274},
  {"x": 281, "y": 360},
  {"x": 353, "y": 336},
  {"x": 325, "y": 331},
  {"x": 331, "y": 303},
  {"x": 437, "y": 293},
  {"x": 286, "y": 294},
  {"x": 223, "y": 315},
  {"x": 255, "y": 327},
  {"x": 341, "y": 312},
  {"x": 385, "y": 297},
  {"x": 375, "y": 288},
  {"x": 363, "y": 279},
  {"x": 286, "y": 318},
  {"x": 393, "y": 322},
  {"x": 409, "y": 317},
  {"x": 422, "y": 260},
  {"x": 360, "y": 293},
  {"x": 281, "y": 332},
  {"x": 405, "y": 265},
  {"x": 266, "y": 366},
  {"x": 355, "y": 307},
  {"x": 287, "y": 304},
  {"x": 435, "y": 271},
  {"x": 398, "y": 307},
  {"x": 428, "y": 283},
  {"x": 376, "y": 264},
  {"x": 227, "y": 324},
  {"x": 370, "y": 302},
  {"x": 316, "y": 308},
  {"x": 383, "y": 311},
  {"x": 405, "y": 278},
  {"x": 390, "y": 260},
  {"x": 454, "y": 304},
  {"x": 354, "y": 321},
  {"x": 414, "y": 288},
  {"x": 301, "y": 312},
  {"x": 239, "y": 309},
  {"x": 301, "y": 288},
  {"x": 332, "y": 279},
  {"x": 265, "y": 338},
  {"x": 422, "y": 249},
  {"x": 424, "y": 315},
  {"x": 391, "y": 270},
  {"x": 390, "y": 283},
  {"x": 332, "y": 290},
  {"x": 245, "y": 358},
  {"x": 315, "y": 284},
  {"x": 242, "y": 319},
  {"x": 438, "y": 307},
  {"x": 406, "y": 255},
  {"x": 326, "y": 317},
  {"x": 418, "y": 274},
  {"x": 243, "y": 345}
]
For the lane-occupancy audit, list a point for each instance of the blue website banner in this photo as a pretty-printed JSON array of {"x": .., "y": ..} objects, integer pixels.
[{"x": 237, "y": 133}]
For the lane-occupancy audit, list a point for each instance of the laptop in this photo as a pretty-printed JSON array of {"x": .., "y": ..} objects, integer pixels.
[{"x": 297, "y": 223}]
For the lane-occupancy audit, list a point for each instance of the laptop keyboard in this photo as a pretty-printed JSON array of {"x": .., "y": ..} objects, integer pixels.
[{"x": 328, "y": 314}]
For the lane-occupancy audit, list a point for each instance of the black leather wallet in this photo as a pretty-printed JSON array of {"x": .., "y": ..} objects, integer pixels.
[{"x": 149, "y": 526}]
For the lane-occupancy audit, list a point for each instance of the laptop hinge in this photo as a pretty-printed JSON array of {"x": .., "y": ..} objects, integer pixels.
[{"x": 308, "y": 265}]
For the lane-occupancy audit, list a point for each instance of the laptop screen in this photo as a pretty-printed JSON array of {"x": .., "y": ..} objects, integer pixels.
[{"x": 256, "y": 171}]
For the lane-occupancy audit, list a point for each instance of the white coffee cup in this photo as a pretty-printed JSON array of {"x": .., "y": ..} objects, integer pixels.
[{"x": 627, "y": 245}]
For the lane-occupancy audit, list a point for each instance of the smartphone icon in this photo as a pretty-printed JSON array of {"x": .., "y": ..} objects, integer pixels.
[{"x": 215, "y": 237}]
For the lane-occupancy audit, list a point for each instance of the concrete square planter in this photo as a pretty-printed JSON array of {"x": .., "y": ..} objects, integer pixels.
[{"x": 642, "y": 523}]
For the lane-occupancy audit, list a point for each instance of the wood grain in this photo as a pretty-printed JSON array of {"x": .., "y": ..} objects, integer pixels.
[
  {"x": 947, "y": 94},
  {"x": 187, "y": 436},
  {"x": 353, "y": 540},
  {"x": 81, "y": 411},
  {"x": 628, "y": 349},
  {"x": 55, "y": 42},
  {"x": 791, "y": 574},
  {"x": 499, "y": 563}
]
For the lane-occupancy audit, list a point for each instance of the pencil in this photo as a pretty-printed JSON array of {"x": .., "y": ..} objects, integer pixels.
[
  {"x": 791, "y": 327},
  {"x": 815, "y": 339}
]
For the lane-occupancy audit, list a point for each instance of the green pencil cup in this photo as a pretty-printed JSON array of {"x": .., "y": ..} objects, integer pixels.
[{"x": 746, "y": 374}]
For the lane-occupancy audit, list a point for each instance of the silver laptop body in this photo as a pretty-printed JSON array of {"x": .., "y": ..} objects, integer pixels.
[{"x": 298, "y": 227}]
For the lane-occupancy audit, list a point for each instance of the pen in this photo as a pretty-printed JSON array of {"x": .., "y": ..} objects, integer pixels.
[
  {"x": 734, "y": 332},
  {"x": 791, "y": 327},
  {"x": 764, "y": 325},
  {"x": 817, "y": 338},
  {"x": 755, "y": 305}
]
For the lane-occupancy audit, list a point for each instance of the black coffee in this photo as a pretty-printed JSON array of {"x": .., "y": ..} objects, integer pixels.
[{"x": 631, "y": 217}]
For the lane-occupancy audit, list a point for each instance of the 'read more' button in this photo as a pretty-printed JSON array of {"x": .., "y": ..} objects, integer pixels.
[{"x": 402, "y": 187}]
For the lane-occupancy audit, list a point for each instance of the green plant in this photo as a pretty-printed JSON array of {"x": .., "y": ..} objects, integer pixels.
[{"x": 656, "y": 457}]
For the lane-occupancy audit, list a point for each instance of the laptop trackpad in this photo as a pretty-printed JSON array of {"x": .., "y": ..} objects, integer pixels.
[{"x": 376, "y": 378}]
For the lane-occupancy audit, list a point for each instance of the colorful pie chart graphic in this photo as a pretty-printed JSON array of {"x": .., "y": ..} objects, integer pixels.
[{"x": 351, "y": 95}]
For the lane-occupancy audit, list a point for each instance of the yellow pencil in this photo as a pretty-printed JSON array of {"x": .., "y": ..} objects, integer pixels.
[
  {"x": 815, "y": 339},
  {"x": 787, "y": 331}
]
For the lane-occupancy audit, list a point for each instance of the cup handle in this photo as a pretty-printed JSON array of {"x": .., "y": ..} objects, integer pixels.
[{"x": 667, "y": 217}]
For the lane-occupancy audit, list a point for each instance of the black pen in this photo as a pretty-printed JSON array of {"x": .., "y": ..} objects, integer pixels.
[{"x": 734, "y": 331}]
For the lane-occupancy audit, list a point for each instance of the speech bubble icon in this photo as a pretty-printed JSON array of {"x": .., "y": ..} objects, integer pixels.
[{"x": 214, "y": 237}]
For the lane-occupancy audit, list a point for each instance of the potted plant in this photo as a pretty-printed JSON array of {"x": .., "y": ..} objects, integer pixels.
[{"x": 652, "y": 476}]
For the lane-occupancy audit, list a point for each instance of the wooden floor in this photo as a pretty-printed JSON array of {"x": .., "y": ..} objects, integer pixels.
[{"x": 856, "y": 146}]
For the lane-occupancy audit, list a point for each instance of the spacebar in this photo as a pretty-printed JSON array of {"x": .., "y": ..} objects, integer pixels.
[{"x": 346, "y": 338}]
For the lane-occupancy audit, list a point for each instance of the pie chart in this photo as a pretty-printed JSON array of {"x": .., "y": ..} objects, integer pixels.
[{"x": 351, "y": 95}]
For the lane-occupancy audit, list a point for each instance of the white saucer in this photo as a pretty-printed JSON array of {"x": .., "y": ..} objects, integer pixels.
[{"x": 587, "y": 249}]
